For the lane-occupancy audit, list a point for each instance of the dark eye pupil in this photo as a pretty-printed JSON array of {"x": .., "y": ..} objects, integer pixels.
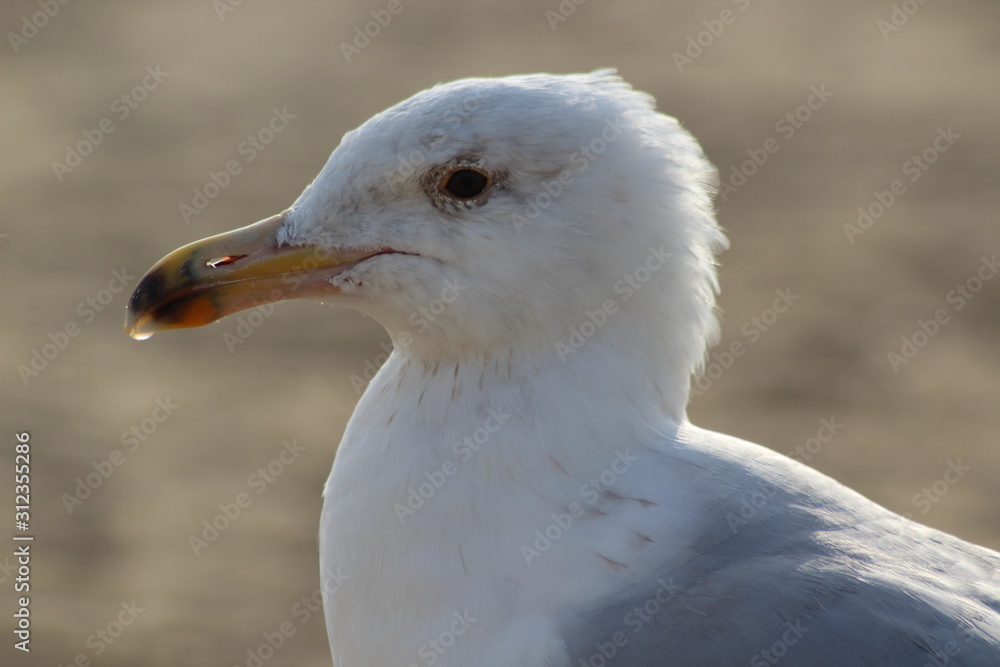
[{"x": 466, "y": 183}]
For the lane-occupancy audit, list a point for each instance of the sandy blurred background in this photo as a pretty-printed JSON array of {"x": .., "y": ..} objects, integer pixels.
[{"x": 230, "y": 64}]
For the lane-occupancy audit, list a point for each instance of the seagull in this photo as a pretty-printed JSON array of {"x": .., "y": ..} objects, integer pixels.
[{"x": 520, "y": 485}]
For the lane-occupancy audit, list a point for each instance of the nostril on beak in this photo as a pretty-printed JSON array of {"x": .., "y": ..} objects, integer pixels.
[{"x": 222, "y": 261}]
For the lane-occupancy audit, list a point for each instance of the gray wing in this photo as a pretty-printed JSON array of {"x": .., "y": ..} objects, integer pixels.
[{"x": 804, "y": 579}]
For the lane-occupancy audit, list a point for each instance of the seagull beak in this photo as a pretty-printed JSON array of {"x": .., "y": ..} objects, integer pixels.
[{"x": 209, "y": 279}]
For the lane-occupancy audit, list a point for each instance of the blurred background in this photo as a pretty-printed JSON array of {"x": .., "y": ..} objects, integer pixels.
[{"x": 856, "y": 140}]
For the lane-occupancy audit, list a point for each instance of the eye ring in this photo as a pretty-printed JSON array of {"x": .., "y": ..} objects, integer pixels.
[{"x": 465, "y": 183}]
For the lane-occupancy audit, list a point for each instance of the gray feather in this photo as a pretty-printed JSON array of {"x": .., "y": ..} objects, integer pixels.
[{"x": 795, "y": 569}]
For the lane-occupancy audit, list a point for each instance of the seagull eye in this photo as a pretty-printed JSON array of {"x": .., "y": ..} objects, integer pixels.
[{"x": 466, "y": 183}]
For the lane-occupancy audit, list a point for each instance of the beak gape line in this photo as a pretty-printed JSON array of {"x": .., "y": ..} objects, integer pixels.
[{"x": 224, "y": 274}]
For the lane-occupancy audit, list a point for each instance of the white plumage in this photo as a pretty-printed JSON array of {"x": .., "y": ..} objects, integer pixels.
[{"x": 520, "y": 485}]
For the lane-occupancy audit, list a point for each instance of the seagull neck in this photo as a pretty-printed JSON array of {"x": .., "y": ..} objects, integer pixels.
[{"x": 601, "y": 382}]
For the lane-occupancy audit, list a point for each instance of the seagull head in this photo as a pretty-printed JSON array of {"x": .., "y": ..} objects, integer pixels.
[{"x": 522, "y": 215}]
